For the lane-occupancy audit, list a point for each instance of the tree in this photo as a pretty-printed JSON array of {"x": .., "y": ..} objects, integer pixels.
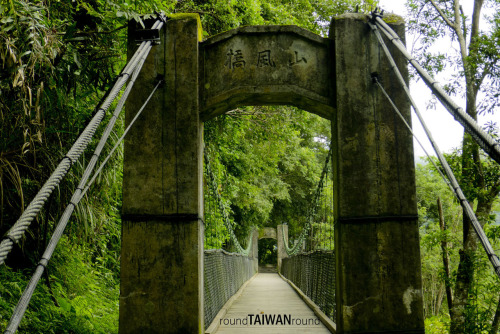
[
  {"x": 485, "y": 289},
  {"x": 477, "y": 78},
  {"x": 272, "y": 160},
  {"x": 430, "y": 187}
]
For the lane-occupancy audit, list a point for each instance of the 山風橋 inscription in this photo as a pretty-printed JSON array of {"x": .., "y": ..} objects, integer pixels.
[
  {"x": 265, "y": 65},
  {"x": 236, "y": 59}
]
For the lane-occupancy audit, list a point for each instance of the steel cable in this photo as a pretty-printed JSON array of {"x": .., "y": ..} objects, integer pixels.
[
  {"x": 487, "y": 142},
  {"x": 449, "y": 173},
  {"x": 77, "y": 195},
  {"x": 414, "y": 105},
  {"x": 312, "y": 210},
  {"x": 118, "y": 142},
  {"x": 469, "y": 212},
  {"x": 222, "y": 210},
  {"x": 16, "y": 232}
]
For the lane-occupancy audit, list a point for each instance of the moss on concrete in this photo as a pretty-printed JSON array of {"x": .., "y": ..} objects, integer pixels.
[
  {"x": 393, "y": 19},
  {"x": 192, "y": 16}
]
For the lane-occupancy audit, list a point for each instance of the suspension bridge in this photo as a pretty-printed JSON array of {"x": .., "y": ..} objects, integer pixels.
[{"x": 354, "y": 268}]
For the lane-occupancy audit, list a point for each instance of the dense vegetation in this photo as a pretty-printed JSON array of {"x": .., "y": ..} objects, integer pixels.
[
  {"x": 57, "y": 60},
  {"x": 444, "y": 241},
  {"x": 473, "y": 29}
]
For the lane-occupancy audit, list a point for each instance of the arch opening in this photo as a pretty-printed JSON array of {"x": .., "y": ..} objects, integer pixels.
[
  {"x": 268, "y": 255},
  {"x": 298, "y": 177}
]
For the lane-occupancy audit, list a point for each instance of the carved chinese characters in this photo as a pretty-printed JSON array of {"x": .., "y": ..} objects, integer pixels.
[
  {"x": 265, "y": 59},
  {"x": 297, "y": 59},
  {"x": 235, "y": 59},
  {"x": 265, "y": 65}
]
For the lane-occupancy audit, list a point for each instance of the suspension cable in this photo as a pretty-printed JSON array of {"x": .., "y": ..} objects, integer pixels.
[
  {"x": 453, "y": 183},
  {"x": 402, "y": 81},
  {"x": 16, "y": 232},
  {"x": 469, "y": 212},
  {"x": 118, "y": 142},
  {"x": 312, "y": 210},
  {"x": 61, "y": 225},
  {"x": 222, "y": 210},
  {"x": 485, "y": 140}
]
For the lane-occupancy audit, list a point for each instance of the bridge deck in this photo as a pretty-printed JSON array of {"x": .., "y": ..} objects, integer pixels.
[{"x": 265, "y": 298}]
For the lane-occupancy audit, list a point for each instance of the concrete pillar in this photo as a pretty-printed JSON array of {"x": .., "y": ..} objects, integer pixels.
[
  {"x": 255, "y": 250},
  {"x": 282, "y": 233},
  {"x": 378, "y": 274},
  {"x": 162, "y": 234}
]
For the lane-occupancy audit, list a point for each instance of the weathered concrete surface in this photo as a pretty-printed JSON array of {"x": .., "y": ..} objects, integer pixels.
[
  {"x": 276, "y": 233},
  {"x": 159, "y": 290},
  {"x": 267, "y": 232},
  {"x": 378, "y": 261},
  {"x": 376, "y": 235},
  {"x": 162, "y": 150},
  {"x": 262, "y": 65},
  {"x": 282, "y": 238},
  {"x": 162, "y": 234},
  {"x": 255, "y": 250}
]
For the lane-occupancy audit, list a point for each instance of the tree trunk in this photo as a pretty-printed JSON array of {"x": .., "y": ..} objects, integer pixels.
[
  {"x": 465, "y": 275},
  {"x": 439, "y": 301},
  {"x": 466, "y": 268},
  {"x": 446, "y": 261},
  {"x": 496, "y": 320}
]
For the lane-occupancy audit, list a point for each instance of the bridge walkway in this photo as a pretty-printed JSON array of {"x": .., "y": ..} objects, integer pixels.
[{"x": 267, "y": 299}]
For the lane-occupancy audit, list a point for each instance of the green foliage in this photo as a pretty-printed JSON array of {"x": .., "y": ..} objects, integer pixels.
[
  {"x": 82, "y": 297},
  {"x": 479, "y": 181},
  {"x": 322, "y": 235},
  {"x": 480, "y": 64},
  {"x": 57, "y": 59},
  {"x": 268, "y": 252},
  {"x": 221, "y": 15},
  {"x": 430, "y": 187},
  {"x": 436, "y": 325},
  {"x": 475, "y": 75},
  {"x": 484, "y": 294},
  {"x": 272, "y": 159},
  {"x": 217, "y": 235}
]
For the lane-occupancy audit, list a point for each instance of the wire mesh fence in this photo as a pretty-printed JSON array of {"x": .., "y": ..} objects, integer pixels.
[
  {"x": 314, "y": 274},
  {"x": 225, "y": 273}
]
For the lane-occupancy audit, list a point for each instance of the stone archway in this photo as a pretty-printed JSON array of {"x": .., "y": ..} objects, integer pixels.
[
  {"x": 264, "y": 65},
  {"x": 280, "y": 234},
  {"x": 378, "y": 285}
]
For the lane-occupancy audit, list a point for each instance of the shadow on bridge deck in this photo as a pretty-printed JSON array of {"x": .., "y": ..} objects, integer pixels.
[{"x": 268, "y": 304}]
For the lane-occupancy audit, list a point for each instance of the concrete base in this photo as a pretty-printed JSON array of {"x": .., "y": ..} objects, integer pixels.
[
  {"x": 379, "y": 283},
  {"x": 161, "y": 276}
]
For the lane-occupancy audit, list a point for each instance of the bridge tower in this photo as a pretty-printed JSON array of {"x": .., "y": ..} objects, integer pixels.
[
  {"x": 280, "y": 234},
  {"x": 378, "y": 285},
  {"x": 162, "y": 235}
]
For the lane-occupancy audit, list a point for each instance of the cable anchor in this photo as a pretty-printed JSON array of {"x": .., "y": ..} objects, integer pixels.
[{"x": 148, "y": 35}]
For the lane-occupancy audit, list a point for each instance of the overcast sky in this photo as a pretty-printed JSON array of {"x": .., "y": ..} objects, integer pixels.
[{"x": 445, "y": 130}]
